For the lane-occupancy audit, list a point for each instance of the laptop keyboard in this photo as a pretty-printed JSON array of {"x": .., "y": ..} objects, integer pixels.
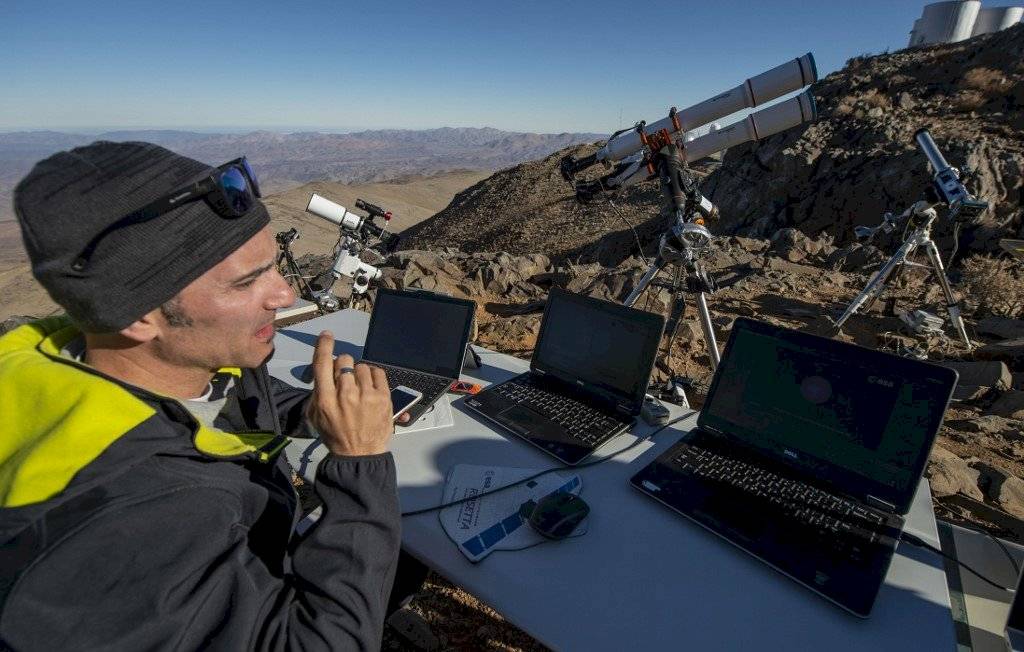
[
  {"x": 839, "y": 522},
  {"x": 426, "y": 383},
  {"x": 584, "y": 423},
  {"x": 837, "y": 547}
]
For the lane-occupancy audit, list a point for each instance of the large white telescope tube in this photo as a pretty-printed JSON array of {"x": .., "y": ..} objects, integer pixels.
[
  {"x": 756, "y": 126},
  {"x": 790, "y": 76}
]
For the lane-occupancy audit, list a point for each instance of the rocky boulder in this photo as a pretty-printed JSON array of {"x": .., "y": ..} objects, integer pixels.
[{"x": 949, "y": 475}]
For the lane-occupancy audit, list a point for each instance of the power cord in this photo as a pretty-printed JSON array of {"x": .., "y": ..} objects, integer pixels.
[
  {"x": 636, "y": 236},
  {"x": 426, "y": 510},
  {"x": 920, "y": 543},
  {"x": 1006, "y": 551}
]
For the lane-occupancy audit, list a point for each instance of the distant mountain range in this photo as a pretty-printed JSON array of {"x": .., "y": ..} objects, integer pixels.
[{"x": 286, "y": 160}]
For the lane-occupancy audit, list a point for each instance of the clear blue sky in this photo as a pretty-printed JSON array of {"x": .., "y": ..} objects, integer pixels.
[{"x": 518, "y": 65}]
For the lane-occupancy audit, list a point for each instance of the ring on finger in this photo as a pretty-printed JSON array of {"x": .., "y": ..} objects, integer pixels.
[{"x": 345, "y": 370}]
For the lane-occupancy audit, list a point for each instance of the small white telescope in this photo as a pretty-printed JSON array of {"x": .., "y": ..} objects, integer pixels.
[{"x": 349, "y": 221}]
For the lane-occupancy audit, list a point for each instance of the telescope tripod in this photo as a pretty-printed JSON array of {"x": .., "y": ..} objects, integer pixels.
[
  {"x": 921, "y": 215},
  {"x": 688, "y": 275},
  {"x": 681, "y": 248}
]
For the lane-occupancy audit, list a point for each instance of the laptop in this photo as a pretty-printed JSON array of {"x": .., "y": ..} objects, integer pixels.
[
  {"x": 587, "y": 378},
  {"x": 419, "y": 339},
  {"x": 807, "y": 455}
]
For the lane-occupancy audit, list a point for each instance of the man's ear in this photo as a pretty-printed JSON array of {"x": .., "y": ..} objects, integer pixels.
[{"x": 146, "y": 328}]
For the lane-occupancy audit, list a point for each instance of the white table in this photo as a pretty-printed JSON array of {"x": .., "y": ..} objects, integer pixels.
[{"x": 643, "y": 577}]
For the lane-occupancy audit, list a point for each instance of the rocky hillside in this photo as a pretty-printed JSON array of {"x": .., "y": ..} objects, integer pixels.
[
  {"x": 857, "y": 161},
  {"x": 860, "y": 159},
  {"x": 530, "y": 208}
]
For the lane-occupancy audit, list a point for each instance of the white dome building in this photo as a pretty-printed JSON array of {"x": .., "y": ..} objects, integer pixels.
[{"x": 949, "y": 22}]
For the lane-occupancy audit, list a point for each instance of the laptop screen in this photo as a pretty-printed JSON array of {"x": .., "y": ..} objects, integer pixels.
[
  {"x": 420, "y": 331},
  {"x": 607, "y": 347},
  {"x": 862, "y": 420}
]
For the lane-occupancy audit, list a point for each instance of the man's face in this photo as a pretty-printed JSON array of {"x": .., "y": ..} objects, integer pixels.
[{"x": 231, "y": 308}]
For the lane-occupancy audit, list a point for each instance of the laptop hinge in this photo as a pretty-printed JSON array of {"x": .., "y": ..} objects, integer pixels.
[{"x": 881, "y": 504}]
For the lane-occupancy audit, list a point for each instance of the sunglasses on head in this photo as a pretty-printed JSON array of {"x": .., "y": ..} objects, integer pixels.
[{"x": 231, "y": 190}]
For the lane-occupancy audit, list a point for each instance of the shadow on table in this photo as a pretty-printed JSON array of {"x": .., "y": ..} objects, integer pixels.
[
  {"x": 512, "y": 452},
  {"x": 897, "y": 607},
  {"x": 340, "y": 346}
]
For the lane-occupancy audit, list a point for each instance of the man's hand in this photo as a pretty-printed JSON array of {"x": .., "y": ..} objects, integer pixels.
[{"x": 351, "y": 403}]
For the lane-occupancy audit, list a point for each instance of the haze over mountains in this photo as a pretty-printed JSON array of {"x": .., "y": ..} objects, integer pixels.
[{"x": 284, "y": 160}]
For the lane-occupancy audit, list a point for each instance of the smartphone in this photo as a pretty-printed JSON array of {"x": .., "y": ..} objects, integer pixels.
[{"x": 403, "y": 398}]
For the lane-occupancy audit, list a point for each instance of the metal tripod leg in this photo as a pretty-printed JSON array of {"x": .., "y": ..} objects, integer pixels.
[
  {"x": 952, "y": 307},
  {"x": 709, "y": 333},
  {"x": 702, "y": 309},
  {"x": 644, "y": 281},
  {"x": 877, "y": 283}
]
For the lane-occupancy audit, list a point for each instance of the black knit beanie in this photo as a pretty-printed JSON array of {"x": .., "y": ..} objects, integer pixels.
[{"x": 70, "y": 197}]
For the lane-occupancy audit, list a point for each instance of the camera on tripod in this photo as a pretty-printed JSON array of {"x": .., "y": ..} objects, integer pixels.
[
  {"x": 287, "y": 237},
  {"x": 946, "y": 188},
  {"x": 362, "y": 227}
]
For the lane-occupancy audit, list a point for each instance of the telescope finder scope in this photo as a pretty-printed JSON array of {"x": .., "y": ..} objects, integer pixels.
[{"x": 373, "y": 209}]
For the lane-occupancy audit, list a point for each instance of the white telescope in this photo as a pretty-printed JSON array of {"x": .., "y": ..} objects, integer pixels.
[
  {"x": 760, "y": 124},
  {"x": 756, "y": 126},
  {"x": 769, "y": 85},
  {"x": 332, "y": 212}
]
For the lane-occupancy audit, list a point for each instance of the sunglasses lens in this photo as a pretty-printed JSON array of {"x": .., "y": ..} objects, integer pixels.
[
  {"x": 236, "y": 190},
  {"x": 252, "y": 177}
]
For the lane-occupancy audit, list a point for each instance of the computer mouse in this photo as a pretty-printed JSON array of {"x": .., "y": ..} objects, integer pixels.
[{"x": 555, "y": 516}]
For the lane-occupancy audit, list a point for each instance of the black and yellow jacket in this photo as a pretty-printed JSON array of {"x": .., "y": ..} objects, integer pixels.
[{"x": 126, "y": 524}]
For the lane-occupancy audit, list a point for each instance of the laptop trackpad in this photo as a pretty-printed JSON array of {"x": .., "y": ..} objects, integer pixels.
[{"x": 524, "y": 421}]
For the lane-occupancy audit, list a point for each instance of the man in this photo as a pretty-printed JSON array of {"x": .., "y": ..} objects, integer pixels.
[{"x": 144, "y": 502}]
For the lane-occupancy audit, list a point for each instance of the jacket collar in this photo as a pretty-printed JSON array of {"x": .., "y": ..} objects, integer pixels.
[{"x": 61, "y": 414}]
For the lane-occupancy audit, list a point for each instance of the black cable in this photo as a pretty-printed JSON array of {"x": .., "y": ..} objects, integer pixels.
[
  {"x": 1006, "y": 551},
  {"x": 639, "y": 247},
  {"x": 564, "y": 467},
  {"x": 920, "y": 543}
]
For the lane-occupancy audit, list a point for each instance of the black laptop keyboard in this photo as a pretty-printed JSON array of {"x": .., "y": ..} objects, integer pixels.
[
  {"x": 841, "y": 523},
  {"x": 582, "y": 422},
  {"x": 837, "y": 547},
  {"x": 430, "y": 385}
]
